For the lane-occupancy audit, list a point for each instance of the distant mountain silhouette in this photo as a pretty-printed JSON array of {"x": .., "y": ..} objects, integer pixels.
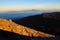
[{"x": 46, "y": 22}]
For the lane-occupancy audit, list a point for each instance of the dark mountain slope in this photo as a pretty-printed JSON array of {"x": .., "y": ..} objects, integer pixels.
[{"x": 46, "y": 22}]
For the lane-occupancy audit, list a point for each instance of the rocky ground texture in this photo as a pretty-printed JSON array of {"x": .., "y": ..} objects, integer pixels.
[{"x": 10, "y": 26}]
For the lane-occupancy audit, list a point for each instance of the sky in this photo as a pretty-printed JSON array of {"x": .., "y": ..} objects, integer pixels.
[{"x": 18, "y": 5}]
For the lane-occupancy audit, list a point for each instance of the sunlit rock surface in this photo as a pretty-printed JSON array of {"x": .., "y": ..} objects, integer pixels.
[{"x": 9, "y": 25}]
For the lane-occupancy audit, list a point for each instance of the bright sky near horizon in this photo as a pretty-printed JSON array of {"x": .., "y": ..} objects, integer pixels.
[{"x": 15, "y": 5}]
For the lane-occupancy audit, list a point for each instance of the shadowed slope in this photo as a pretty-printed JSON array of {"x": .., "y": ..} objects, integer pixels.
[{"x": 48, "y": 22}]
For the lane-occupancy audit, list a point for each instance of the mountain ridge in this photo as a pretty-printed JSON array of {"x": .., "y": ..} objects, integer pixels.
[{"x": 46, "y": 22}]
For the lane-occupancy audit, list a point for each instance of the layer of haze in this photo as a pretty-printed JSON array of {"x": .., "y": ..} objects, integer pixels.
[{"x": 19, "y": 5}]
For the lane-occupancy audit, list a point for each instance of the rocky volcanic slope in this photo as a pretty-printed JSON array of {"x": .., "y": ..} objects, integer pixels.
[
  {"x": 8, "y": 25},
  {"x": 46, "y": 22}
]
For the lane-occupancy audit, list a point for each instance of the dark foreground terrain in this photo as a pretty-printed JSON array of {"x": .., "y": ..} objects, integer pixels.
[{"x": 5, "y": 35}]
